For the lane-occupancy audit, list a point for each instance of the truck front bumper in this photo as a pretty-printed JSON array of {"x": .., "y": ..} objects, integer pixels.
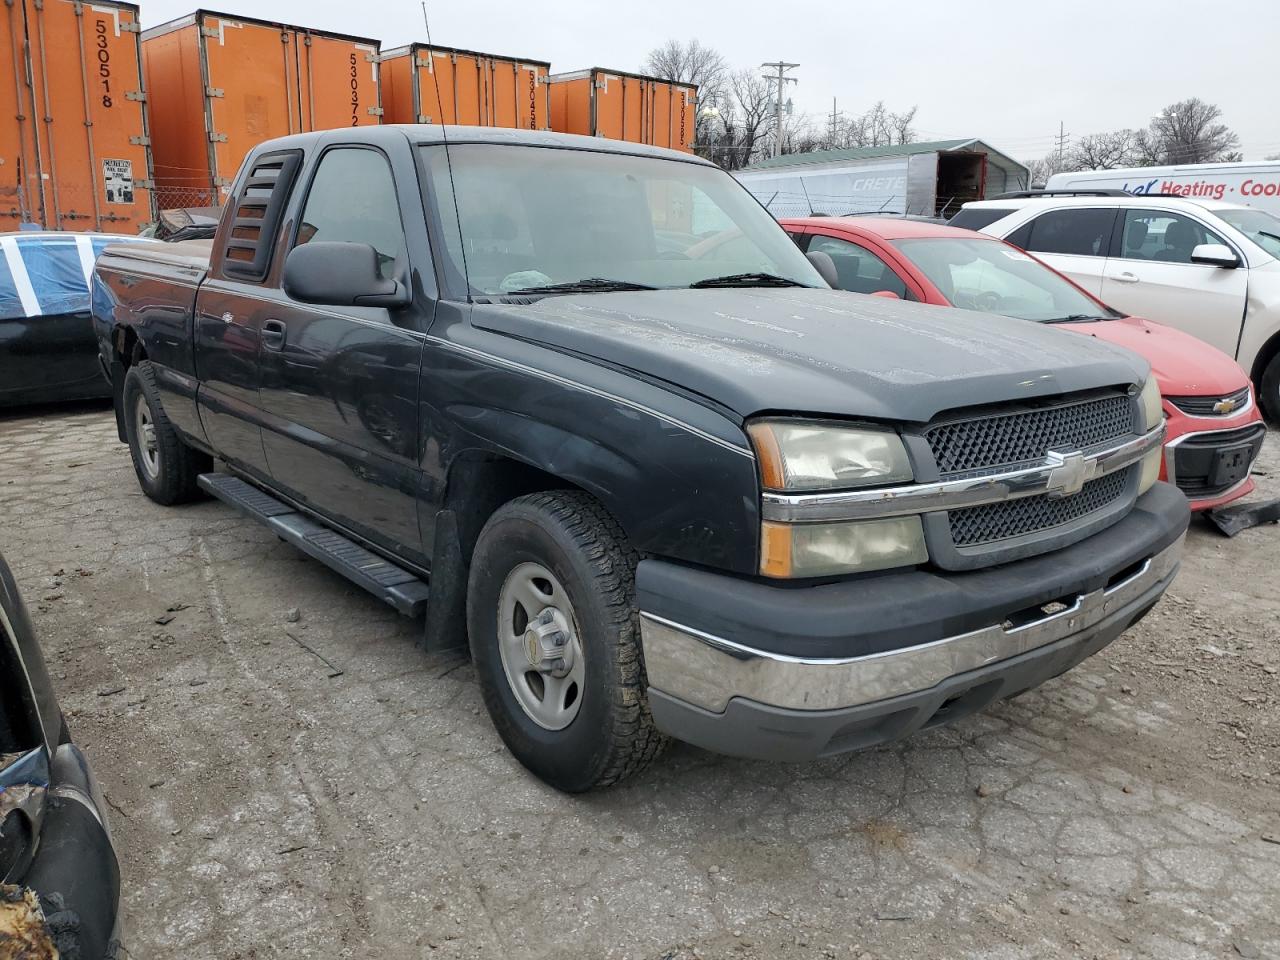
[{"x": 786, "y": 672}]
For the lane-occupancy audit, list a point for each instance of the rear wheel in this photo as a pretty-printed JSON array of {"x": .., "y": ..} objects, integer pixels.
[
  {"x": 556, "y": 640},
  {"x": 1269, "y": 390},
  {"x": 166, "y": 467}
]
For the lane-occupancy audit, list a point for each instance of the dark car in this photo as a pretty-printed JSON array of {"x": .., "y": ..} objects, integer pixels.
[
  {"x": 59, "y": 878},
  {"x": 663, "y": 485},
  {"x": 47, "y": 347}
]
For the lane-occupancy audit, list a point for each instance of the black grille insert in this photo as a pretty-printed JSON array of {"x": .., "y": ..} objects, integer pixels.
[
  {"x": 993, "y": 522},
  {"x": 1026, "y": 436},
  {"x": 1203, "y": 406}
]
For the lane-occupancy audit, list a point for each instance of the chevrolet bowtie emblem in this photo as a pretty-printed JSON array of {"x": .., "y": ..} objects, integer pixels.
[
  {"x": 1224, "y": 406},
  {"x": 1068, "y": 473}
]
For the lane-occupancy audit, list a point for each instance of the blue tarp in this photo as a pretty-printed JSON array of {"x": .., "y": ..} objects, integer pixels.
[{"x": 48, "y": 273}]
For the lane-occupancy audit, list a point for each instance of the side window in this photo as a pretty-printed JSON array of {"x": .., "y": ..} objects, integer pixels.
[
  {"x": 975, "y": 218},
  {"x": 1021, "y": 237},
  {"x": 860, "y": 270},
  {"x": 1083, "y": 233},
  {"x": 353, "y": 200},
  {"x": 1165, "y": 237}
]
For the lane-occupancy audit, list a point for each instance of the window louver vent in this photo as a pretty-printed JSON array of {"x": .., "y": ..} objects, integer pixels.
[{"x": 256, "y": 215}]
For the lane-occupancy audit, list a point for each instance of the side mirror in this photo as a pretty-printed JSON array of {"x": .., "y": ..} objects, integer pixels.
[
  {"x": 340, "y": 275},
  {"x": 826, "y": 267},
  {"x": 887, "y": 294},
  {"x": 1215, "y": 255}
]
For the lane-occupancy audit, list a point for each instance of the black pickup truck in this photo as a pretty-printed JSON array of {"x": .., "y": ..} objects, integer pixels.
[{"x": 587, "y": 405}]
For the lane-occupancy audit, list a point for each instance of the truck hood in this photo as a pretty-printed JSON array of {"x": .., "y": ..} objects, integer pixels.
[
  {"x": 825, "y": 352},
  {"x": 1183, "y": 365}
]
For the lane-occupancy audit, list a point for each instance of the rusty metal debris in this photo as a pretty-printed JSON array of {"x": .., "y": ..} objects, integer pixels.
[{"x": 24, "y": 935}]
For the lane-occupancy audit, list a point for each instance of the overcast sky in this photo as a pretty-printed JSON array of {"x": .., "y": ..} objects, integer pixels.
[{"x": 1005, "y": 71}]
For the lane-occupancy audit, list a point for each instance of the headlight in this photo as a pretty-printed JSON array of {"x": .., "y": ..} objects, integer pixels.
[
  {"x": 1150, "y": 470},
  {"x": 1152, "y": 406},
  {"x": 795, "y": 455},
  {"x": 1152, "y": 416},
  {"x": 828, "y": 549}
]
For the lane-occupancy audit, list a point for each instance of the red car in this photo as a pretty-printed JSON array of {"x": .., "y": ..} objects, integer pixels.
[{"x": 1215, "y": 430}]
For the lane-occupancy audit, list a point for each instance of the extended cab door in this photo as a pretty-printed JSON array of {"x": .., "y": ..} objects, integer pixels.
[
  {"x": 230, "y": 311},
  {"x": 1072, "y": 240},
  {"x": 1150, "y": 274},
  {"x": 340, "y": 384}
]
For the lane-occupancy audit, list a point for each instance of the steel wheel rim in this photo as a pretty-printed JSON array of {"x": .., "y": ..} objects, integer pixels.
[
  {"x": 148, "y": 449},
  {"x": 533, "y": 601}
]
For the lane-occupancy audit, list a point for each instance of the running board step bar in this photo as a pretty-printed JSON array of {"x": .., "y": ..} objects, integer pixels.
[{"x": 383, "y": 579}]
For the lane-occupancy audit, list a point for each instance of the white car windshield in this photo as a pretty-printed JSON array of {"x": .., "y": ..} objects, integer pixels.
[
  {"x": 1261, "y": 227},
  {"x": 535, "y": 219},
  {"x": 994, "y": 277}
]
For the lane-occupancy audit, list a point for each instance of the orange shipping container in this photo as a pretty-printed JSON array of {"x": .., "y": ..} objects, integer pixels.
[
  {"x": 624, "y": 106},
  {"x": 73, "y": 142},
  {"x": 422, "y": 84},
  {"x": 220, "y": 85}
]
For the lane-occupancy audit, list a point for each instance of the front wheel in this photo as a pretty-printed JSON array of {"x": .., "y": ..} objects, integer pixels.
[
  {"x": 1269, "y": 390},
  {"x": 166, "y": 467},
  {"x": 556, "y": 640}
]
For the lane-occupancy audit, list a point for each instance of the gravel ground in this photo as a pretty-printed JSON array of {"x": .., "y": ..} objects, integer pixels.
[{"x": 291, "y": 777}]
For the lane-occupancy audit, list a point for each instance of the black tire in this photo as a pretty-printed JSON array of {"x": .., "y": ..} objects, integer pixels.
[
  {"x": 612, "y": 734},
  {"x": 168, "y": 473},
  {"x": 1269, "y": 390}
]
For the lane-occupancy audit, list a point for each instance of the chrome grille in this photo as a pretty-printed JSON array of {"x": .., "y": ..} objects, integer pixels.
[
  {"x": 1026, "y": 436},
  {"x": 992, "y": 522}
]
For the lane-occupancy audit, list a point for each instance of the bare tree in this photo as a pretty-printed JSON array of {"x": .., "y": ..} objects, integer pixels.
[
  {"x": 694, "y": 63},
  {"x": 1272, "y": 156},
  {"x": 876, "y": 127},
  {"x": 1045, "y": 167},
  {"x": 1189, "y": 131},
  {"x": 1104, "y": 151},
  {"x": 739, "y": 134}
]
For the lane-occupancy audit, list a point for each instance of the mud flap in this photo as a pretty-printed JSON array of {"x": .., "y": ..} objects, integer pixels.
[
  {"x": 1231, "y": 520},
  {"x": 446, "y": 627}
]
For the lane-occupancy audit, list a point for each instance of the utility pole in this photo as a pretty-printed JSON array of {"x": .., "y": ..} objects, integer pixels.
[
  {"x": 780, "y": 80},
  {"x": 1063, "y": 137},
  {"x": 835, "y": 122}
]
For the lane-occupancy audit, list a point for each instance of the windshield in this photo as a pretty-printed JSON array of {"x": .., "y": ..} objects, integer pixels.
[
  {"x": 994, "y": 277},
  {"x": 1261, "y": 227},
  {"x": 530, "y": 218}
]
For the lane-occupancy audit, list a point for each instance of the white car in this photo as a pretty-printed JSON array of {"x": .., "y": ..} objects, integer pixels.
[{"x": 1208, "y": 268}]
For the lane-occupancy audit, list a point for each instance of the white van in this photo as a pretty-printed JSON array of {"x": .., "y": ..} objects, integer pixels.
[{"x": 1254, "y": 184}]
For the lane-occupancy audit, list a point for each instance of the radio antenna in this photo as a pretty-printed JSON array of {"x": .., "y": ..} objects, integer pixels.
[{"x": 448, "y": 157}]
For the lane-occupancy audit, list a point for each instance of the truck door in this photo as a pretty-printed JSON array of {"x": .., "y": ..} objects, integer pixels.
[
  {"x": 340, "y": 384},
  {"x": 231, "y": 308}
]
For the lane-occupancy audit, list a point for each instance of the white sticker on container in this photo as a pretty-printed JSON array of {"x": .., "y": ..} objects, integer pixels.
[{"x": 117, "y": 180}]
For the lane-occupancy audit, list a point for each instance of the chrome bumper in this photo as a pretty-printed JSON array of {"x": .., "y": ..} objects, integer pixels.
[{"x": 709, "y": 671}]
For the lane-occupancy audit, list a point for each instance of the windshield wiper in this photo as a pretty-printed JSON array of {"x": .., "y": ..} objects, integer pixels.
[
  {"x": 1078, "y": 318},
  {"x": 589, "y": 285},
  {"x": 746, "y": 280}
]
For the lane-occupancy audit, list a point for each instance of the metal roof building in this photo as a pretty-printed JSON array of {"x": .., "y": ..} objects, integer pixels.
[{"x": 930, "y": 178}]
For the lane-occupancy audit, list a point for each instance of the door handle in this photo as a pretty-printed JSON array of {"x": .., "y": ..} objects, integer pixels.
[
  {"x": 273, "y": 334},
  {"x": 1125, "y": 277}
]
